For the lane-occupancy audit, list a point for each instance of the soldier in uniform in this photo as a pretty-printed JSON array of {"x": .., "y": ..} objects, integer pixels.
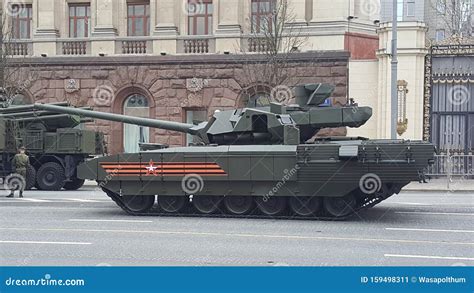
[{"x": 20, "y": 164}]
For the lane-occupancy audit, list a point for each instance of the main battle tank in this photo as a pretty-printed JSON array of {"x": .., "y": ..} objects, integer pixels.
[
  {"x": 260, "y": 161},
  {"x": 53, "y": 142}
]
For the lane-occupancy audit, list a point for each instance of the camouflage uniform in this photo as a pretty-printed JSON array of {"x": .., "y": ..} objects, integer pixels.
[{"x": 20, "y": 165}]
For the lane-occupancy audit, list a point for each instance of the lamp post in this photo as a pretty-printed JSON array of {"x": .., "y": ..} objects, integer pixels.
[{"x": 394, "y": 99}]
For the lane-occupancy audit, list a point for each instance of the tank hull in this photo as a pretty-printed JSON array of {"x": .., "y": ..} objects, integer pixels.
[{"x": 359, "y": 172}]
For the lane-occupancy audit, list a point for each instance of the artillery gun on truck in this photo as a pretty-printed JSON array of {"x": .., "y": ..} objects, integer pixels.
[
  {"x": 54, "y": 144},
  {"x": 259, "y": 161}
]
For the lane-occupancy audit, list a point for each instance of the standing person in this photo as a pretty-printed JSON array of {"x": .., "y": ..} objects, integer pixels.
[{"x": 20, "y": 164}]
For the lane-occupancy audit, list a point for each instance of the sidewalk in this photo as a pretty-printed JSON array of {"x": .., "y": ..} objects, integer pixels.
[{"x": 464, "y": 185}]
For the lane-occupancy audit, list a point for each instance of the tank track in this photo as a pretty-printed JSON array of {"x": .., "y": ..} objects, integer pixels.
[{"x": 365, "y": 204}]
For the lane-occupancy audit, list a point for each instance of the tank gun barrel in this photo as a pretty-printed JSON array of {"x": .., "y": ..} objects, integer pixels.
[
  {"x": 154, "y": 123},
  {"x": 26, "y": 108},
  {"x": 32, "y": 113},
  {"x": 50, "y": 117}
]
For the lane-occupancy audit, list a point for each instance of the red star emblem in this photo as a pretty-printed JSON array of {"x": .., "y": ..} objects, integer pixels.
[{"x": 151, "y": 169}]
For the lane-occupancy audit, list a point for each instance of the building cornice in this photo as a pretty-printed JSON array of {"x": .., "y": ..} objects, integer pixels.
[{"x": 329, "y": 56}]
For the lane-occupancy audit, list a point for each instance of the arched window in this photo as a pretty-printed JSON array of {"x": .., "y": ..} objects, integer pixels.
[
  {"x": 261, "y": 99},
  {"x": 256, "y": 96},
  {"x": 138, "y": 106}
]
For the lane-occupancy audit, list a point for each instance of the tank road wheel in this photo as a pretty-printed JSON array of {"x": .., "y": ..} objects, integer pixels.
[
  {"x": 50, "y": 176},
  {"x": 206, "y": 204},
  {"x": 340, "y": 206},
  {"x": 272, "y": 206},
  {"x": 238, "y": 205},
  {"x": 171, "y": 204},
  {"x": 139, "y": 203},
  {"x": 30, "y": 177},
  {"x": 305, "y": 206},
  {"x": 74, "y": 184}
]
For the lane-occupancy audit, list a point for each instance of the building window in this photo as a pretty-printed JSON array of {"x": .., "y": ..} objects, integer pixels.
[
  {"x": 262, "y": 15},
  {"x": 200, "y": 17},
  {"x": 261, "y": 99},
  {"x": 400, "y": 14},
  {"x": 138, "y": 19},
  {"x": 79, "y": 17},
  {"x": 439, "y": 35},
  {"x": 411, "y": 8},
  {"x": 138, "y": 106},
  {"x": 441, "y": 7},
  {"x": 192, "y": 117},
  {"x": 21, "y": 21}
]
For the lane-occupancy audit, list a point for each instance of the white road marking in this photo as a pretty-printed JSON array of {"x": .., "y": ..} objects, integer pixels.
[
  {"x": 433, "y": 213},
  {"x": 57, "y": 208},
  {"x": 44, "y": 242},
  {"x": 291, "y": 237},
  {"x": 411, "y": 203},
  {"x": 465, "y": 205},
  {"x": 429, "y": 257},
  {"x": 118, "y": 221},
  {"x": 429, "y": 230},
  {"x": 52, "y": 200},
  {"x": 78, "y": 200},
  {"x": 32, "y": 200}
]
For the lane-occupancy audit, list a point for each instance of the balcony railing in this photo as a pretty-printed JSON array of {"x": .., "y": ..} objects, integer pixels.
[
  {"x": 196, "y": 45},
  {"x": 257, "y": 45},
  {"x": 75, "y": 47},
  {"x": 134, "y": 46},
  {"x": 18, "y": 48}
]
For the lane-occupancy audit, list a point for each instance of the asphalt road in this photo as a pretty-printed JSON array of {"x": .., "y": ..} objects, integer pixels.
[{"x": 86, "y": 228}]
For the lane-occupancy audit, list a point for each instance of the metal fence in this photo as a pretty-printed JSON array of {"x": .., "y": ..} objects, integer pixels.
[{"x": 448, "y": 165}]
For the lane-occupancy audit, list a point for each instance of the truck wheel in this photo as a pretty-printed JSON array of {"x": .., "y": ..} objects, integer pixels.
[
  {"x": 30, "y": 177},
  {"x": 50, "y": 176},
  {"x": 74, "y": 184}
]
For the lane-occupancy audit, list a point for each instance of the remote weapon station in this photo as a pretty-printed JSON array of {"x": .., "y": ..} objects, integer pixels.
[{"x": 259, "y": 161}]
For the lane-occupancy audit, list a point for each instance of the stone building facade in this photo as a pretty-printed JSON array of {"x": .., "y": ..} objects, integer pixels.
[
  {"x": 154, "y": 58},
  {"x": 172, "y": 87},
  {"x": 108, "y": 57},
  {"x": 174, "y": 27}
]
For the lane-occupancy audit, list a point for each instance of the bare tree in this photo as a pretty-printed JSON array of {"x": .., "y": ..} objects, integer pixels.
[
  {"x": 15, "y": 76},
  {"x": 456, "y": 16},
  {"x": 275, "y": 38}
]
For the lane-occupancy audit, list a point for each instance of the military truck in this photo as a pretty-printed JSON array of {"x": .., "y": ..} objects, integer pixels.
[
  {"x": 54, "y": 142},
  {"x": 260, "y": 161}
]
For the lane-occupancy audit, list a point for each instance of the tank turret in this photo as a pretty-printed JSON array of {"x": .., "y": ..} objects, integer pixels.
[{"x": 276, "y": 124}]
